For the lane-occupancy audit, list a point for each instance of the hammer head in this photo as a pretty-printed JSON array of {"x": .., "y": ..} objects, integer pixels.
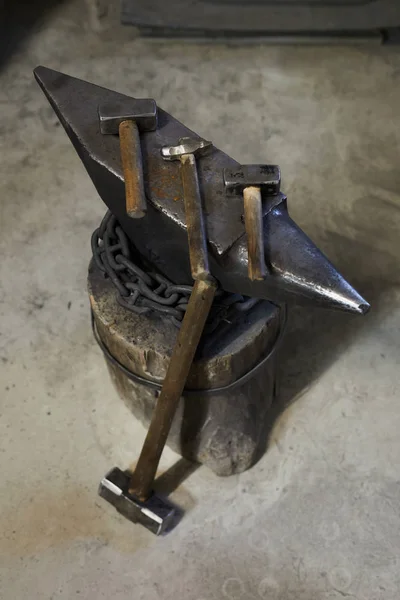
[
  {"x": 155, "y": 514},
  {"x": 186, "y": 145},
  {"x": 266, "y": 177},
  {"x": 143, "y": 111}
]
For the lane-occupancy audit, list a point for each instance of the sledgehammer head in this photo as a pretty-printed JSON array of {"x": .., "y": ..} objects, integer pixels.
[{"x": 155, "y": 514}]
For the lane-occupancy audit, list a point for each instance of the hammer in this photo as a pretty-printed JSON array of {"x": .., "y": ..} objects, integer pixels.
[
  {"x": 133, "y": 495},
  {"x": 252, "y": 181},
  {"x": 186, "y": 151},
  {"x": 128, "y": 117}
]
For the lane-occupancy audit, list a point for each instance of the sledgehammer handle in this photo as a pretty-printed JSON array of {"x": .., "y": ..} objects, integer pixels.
[{"x": 182, "y": 357}]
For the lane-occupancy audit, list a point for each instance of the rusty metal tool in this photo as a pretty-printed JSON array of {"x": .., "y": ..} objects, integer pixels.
[
  {"x": 186, "y": 152},
  {"x": 132, "y": 496},
  {"x": 128, "y": 119},
  {"x": 253, "y": 181}
]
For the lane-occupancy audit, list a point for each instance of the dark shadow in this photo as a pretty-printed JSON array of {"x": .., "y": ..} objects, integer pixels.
[
  {"x": 169, "y": 481},
  {"x": 172, "y": 478},
  {"x": 17, "y": 20}
]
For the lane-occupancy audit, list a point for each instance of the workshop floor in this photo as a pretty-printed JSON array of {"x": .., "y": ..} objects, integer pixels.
[{"x": 318, "y": 517}]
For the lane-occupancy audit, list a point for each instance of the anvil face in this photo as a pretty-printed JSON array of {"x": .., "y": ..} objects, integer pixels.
[{"x": 297, "y": 269}]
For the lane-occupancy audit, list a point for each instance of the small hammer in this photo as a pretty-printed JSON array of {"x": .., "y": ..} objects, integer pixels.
[
  {"x": 252, "y": 181},
  {"x": 127, "y": 118},
  {"x": 186, "y": 151}
]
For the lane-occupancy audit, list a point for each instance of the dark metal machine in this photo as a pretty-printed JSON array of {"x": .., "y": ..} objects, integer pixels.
[
  {"x": 192, "y": 269},
  {"x": 298, "y": 21}
]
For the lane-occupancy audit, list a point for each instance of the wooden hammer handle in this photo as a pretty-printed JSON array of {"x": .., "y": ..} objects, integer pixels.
[
  {"x": 189, "y": 335},
  {"x": 194, "y": 218},
  {"x": 131, "y": 157},
  {"x": 253, "y": 219}
]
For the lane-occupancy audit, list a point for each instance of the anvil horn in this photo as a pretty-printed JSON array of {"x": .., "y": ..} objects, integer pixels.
[{"x": 297, "y": 269}]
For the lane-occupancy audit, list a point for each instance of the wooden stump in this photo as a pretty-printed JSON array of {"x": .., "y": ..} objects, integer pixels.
[{"x": 221, "y": 429}]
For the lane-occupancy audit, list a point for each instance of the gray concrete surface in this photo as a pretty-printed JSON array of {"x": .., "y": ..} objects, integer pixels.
[{"x": 318, "y": 517}]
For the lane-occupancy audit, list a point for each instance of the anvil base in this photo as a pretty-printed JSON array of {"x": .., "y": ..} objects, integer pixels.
[{"x": 220, "y": 428}]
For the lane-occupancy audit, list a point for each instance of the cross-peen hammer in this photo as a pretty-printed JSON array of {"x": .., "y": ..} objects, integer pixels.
[
  {"x": 186, "y": 152},
  {"x": 127, "y": 119},
  {"x": 254, "y": 181}
]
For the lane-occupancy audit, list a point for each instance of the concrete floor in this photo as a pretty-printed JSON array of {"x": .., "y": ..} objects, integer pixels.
[{"x": 318, "y": 517}]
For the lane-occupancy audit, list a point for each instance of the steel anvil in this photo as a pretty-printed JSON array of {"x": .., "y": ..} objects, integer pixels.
[
  {"x": 297, "y": 270},
  {"x": 194, "y": 226}
]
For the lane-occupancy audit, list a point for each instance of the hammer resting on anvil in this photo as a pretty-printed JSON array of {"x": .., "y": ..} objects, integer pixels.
[
  {"x": 127, "y": 119},
  {"x": 202, "y": 237},
  {"x": 254, "y": 182},
  {"x": 298, "y": 272}
]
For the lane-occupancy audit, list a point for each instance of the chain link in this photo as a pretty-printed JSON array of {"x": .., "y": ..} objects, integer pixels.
[{"x": 144, "y": 291}]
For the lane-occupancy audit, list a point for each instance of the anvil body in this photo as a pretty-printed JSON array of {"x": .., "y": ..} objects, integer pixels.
[{"x": 297, "y": 270}]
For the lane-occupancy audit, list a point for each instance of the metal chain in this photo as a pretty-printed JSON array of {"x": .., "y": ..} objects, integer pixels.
[{"x": 144, "y": 291}]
